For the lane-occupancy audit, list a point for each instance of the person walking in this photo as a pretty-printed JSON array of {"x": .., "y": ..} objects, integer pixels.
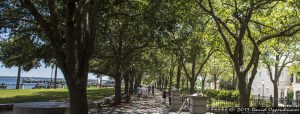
[
  {"x": 149, "y": 89},
  {"x": 164, "y": 96},
  {"x": 139, "y": 89}
]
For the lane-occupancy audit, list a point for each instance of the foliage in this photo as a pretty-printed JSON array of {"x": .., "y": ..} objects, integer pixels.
[
  {"x": 229, "y": 95},
  {"x": 290, "y": 94},
  {"x": 20, "y": 50},
  {"x": 295, "y": 68}
]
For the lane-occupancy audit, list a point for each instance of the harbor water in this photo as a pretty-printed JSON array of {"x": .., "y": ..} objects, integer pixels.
[{"x": 25, "y": 82}]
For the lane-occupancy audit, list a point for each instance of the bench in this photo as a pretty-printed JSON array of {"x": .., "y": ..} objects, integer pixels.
[
  {"x": 107, "y": 101},
  {"x": 6, "y": 107},
  {"x": 126, "y": 98},
  {"x": 3, "y": 86}
]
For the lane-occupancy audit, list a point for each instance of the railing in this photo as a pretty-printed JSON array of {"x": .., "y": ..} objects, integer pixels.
[{"x": 221, "y": 106}]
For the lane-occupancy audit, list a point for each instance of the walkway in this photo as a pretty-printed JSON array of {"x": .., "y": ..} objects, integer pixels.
[{"x": 148, "y": 104}]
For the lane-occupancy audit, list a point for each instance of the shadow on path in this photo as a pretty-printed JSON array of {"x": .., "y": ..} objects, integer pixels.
[{"x": 148, "y": 104}]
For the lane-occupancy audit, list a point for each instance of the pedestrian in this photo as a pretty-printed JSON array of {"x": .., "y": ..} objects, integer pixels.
[
  {"x": 139, "y": 89},
  {"x": 164, "y": 96},
  {"x": 149, "y": 89},
  {"x": 152, "y": 90}
]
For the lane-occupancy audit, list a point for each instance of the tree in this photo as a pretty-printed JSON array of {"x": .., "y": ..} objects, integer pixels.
[
  {"x": 216, "y": 68},
  {"x": 204, "y": 75},
  {"x": 248, "y": 22},
  {"x": 277, "y": 54},
  {"x": 127, "y": 32},
  {"x": 69, "y": 26},
  {"x": 199, "y": 48},
  {"x": 20, "y": 51},
  {"x": 195, "y": 72}
]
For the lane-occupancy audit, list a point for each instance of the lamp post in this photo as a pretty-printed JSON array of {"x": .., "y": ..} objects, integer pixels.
[{"x": 263, "y": 88}]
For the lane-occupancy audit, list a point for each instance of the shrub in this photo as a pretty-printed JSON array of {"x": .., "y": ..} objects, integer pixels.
[{"x": 228, "y": 95}]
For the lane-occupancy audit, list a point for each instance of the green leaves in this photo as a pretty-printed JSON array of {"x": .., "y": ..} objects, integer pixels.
[{"x": 19, "y": 50}]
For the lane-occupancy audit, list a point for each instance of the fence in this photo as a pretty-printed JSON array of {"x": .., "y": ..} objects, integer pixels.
[
  {"x": 221, "y": 106},
  {"x": 218, "y": 106}
]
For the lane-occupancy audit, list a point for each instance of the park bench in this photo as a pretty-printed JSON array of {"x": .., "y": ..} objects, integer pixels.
[
  {"x": 3, "y": 86},
  {"x": 125, "y": 98},
  {"x": 107, "y": 101},
  {"x": 6, "y": 107}
]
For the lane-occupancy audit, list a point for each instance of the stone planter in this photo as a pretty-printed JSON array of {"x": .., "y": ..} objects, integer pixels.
[
  {"x": 198, "y": 104},
  {"x": 175, "y": 100}
]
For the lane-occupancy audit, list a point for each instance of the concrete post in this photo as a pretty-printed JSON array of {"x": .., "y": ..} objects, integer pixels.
[
  {"x": 175, "y": 100},
  {"x": 197, "y": 104},
  {"x": 22, "y": 86}
]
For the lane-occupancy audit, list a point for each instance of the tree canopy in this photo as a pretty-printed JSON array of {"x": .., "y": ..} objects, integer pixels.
[{"x": 163, "y": 43}]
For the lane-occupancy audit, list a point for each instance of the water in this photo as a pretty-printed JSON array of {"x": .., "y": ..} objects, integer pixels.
[{"x": 11, "y": 82}]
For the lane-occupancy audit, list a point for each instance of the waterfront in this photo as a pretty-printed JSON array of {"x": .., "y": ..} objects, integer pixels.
[
  {"x": 26, "y": 82},
  {"x": 37, "y": 82}
]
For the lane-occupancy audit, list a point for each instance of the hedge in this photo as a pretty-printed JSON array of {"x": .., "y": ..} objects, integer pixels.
[{"x": 228, "y": 95}]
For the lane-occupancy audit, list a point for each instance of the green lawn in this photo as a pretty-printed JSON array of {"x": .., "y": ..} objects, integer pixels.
[{"x": 34, "y": 95}]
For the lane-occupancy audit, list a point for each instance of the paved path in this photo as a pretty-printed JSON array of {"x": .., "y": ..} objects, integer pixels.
[{"x": 149, "y": 104}]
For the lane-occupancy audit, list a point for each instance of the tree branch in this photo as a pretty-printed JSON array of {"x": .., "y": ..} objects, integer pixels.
[
  {"x": 286, "y": 32},
  {"x": 40, "y": 19},
  {"x": 210, "y": 53},
  {"x": 185, "y": 70}
]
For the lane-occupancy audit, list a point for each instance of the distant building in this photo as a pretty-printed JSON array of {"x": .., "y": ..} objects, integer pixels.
[{"x": 263, "y": 87}]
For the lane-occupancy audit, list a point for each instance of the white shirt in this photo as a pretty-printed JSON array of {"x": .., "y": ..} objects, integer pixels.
[{"x": 139, "y": 90}]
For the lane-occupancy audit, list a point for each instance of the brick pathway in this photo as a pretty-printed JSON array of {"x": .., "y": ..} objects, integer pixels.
[{"x": 147, "y": 105}]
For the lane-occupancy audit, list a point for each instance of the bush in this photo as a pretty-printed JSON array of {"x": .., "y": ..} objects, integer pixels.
[{"x": 228, "y": 95}]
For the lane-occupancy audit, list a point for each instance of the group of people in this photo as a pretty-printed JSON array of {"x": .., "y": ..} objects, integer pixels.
[{"x": 149, "y": 90}]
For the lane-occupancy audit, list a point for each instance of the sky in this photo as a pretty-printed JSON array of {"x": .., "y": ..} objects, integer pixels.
[{"x": 39, "y": 72}]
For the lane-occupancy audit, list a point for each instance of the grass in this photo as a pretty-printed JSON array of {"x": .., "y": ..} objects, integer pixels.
[{"x": 35, "y": 95}]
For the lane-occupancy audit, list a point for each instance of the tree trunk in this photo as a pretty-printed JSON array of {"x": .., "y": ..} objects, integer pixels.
[
  {"x": 170, "y": 82},
  {"x": 236, "y": 83},
  {"x": 233, "y": 78},
  {"x": 187, "y": 83},
  {"x": 192, "y": 86},
  {"x": 97, "y": 83},
  {"x": 126, "y": 80},
  {"x": 136, "y": 83},
  {"x": 203, "y": 84},
  {"x": 215, "y": 84},
  {"x": 78, "y": 98},
  {"x": 118, "y": 90},
  {"x": 77, "y": 86},
  {"x": 161, "y": 82},
  {"x": 19, "y": 77},
  {"x": 244, "y": 95},
  {"x": 275, "y": 100},
  {"x": 131, "y": 84},
  {"x": 179, "y": 67},
  {"x": 166, "y": 83},
  {"x": 100, "y": 81},
  {"x": 51, "y": 74},
  {"x": 182, "y": 82},
  {"x": 55, "y": 78}
]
